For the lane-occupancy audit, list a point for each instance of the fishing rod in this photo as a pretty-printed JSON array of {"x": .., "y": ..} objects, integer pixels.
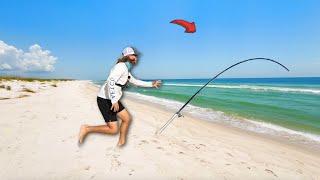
[{"x": 178, "y": 113}]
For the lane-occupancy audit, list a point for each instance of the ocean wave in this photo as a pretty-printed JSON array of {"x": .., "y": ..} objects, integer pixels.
[
  {"x": 238, "y": 122},
  {"x": 251, "y": 87}
]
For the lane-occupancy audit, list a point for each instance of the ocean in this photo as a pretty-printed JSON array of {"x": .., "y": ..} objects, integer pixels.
[{"x": 267, "y": 105}]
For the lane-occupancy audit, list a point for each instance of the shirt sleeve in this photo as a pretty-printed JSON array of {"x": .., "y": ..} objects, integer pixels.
[
  {"x": 138, "y": 82},
  {"x": 114, "y": 91}
]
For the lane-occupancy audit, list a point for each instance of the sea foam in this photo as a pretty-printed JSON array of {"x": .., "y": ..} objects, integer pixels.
[{"x": 252, "y": 87}]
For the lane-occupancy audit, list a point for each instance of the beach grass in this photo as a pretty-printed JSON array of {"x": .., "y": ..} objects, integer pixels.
[
  {"x": 23, "y": 95},
  {"x": 28, "y": 90},
  {"x": 31, "y": 79}
]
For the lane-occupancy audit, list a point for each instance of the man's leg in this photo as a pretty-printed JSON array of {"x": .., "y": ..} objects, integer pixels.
[
  {"x": 125, "y": 122},
  {"x": 109, "y": 128}
]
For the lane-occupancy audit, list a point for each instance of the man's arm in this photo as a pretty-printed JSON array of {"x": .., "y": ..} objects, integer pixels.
[
  {"x": 113, "y": 89},
  {"x": 140, "y": 83}
]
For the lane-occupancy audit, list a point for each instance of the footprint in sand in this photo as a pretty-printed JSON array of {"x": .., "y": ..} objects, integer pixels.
[
  {"x": 270, "y": 172},
  {"x": 194, "y": 146},
  {"x": 109, "y": 151},
  {"x": 299, "y": 171},
  {"x": 115, "y": 163},
  {"x": 159, "y": 147},
  {"x": 131, "y": 172},
  {"x": 143, "y": 142},
  {"x": 155, "y": 141},
  {"x": 251, "y": 167},
  {"x": 204, "y": 161},
  {"x": 115, "y": 155}
]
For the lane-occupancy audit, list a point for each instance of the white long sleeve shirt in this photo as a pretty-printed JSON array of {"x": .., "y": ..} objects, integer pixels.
[{"x": 119, "y": 75}]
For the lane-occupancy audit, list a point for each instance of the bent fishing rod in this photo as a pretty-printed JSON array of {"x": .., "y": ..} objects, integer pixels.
[{"x": 178, "y": 113}]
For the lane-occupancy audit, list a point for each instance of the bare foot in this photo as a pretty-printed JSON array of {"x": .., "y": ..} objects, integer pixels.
[
  {"x": 121, "y": 142},
  {"x": 83, "y": 132}
]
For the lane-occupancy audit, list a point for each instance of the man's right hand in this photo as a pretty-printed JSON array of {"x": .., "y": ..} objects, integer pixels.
[
  {"x": 115, "y": 107},
  {"x": 156, "y": 84}
]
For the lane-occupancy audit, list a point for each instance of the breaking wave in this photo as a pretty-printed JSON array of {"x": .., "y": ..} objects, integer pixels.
[{"x": 254, "y": 88}]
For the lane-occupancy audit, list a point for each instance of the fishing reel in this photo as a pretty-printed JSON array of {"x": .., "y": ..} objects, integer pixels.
[{"x": 180, "y": 115}]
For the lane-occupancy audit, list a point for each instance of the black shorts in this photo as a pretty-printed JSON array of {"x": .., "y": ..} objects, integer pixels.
[{"x": 105, "y": 109}]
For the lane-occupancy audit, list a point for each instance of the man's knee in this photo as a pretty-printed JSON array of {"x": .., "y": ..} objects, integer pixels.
[
  {"x": 113, "y": 129},
  {"x": 127, "y": 119}
]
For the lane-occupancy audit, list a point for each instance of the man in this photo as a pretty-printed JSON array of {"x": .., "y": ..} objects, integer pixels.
[{"x": 110, "y": 94}]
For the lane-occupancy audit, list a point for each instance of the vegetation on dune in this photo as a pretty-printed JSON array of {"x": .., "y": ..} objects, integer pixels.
[
  {"x": 23, "y": 95},
  {"x": 5, "y": 80},
  {"x": 28, "y": 90},
  {"x": 30, "y": 79},
  {"x": 1, "y": 98}
]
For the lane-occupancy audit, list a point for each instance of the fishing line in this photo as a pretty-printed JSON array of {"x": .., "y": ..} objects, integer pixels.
[{"x": 178, "y": 114}]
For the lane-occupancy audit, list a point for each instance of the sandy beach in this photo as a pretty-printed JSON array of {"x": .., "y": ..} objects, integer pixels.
[{"x": 39, "y": 133}]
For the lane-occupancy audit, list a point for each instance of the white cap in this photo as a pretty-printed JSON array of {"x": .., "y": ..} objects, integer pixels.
[{"x": 128, "y": 51}]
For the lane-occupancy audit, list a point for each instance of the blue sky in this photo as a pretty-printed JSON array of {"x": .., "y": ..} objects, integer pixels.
[{"x": 87, "y": 37}]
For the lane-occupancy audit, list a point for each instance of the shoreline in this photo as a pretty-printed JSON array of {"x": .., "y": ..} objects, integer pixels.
[
  {"x": 274, "y": 138},
  {"x": 38, "y": 140},
  {"x": 298, "y": 130},
  {"x": 269, "y": 130}
]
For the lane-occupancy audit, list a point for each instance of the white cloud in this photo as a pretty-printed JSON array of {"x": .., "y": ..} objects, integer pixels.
[{"x": 36, "y": 59}]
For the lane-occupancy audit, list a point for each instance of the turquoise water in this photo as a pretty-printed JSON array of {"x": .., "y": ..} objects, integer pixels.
[{"x": 293, "y": 103}]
